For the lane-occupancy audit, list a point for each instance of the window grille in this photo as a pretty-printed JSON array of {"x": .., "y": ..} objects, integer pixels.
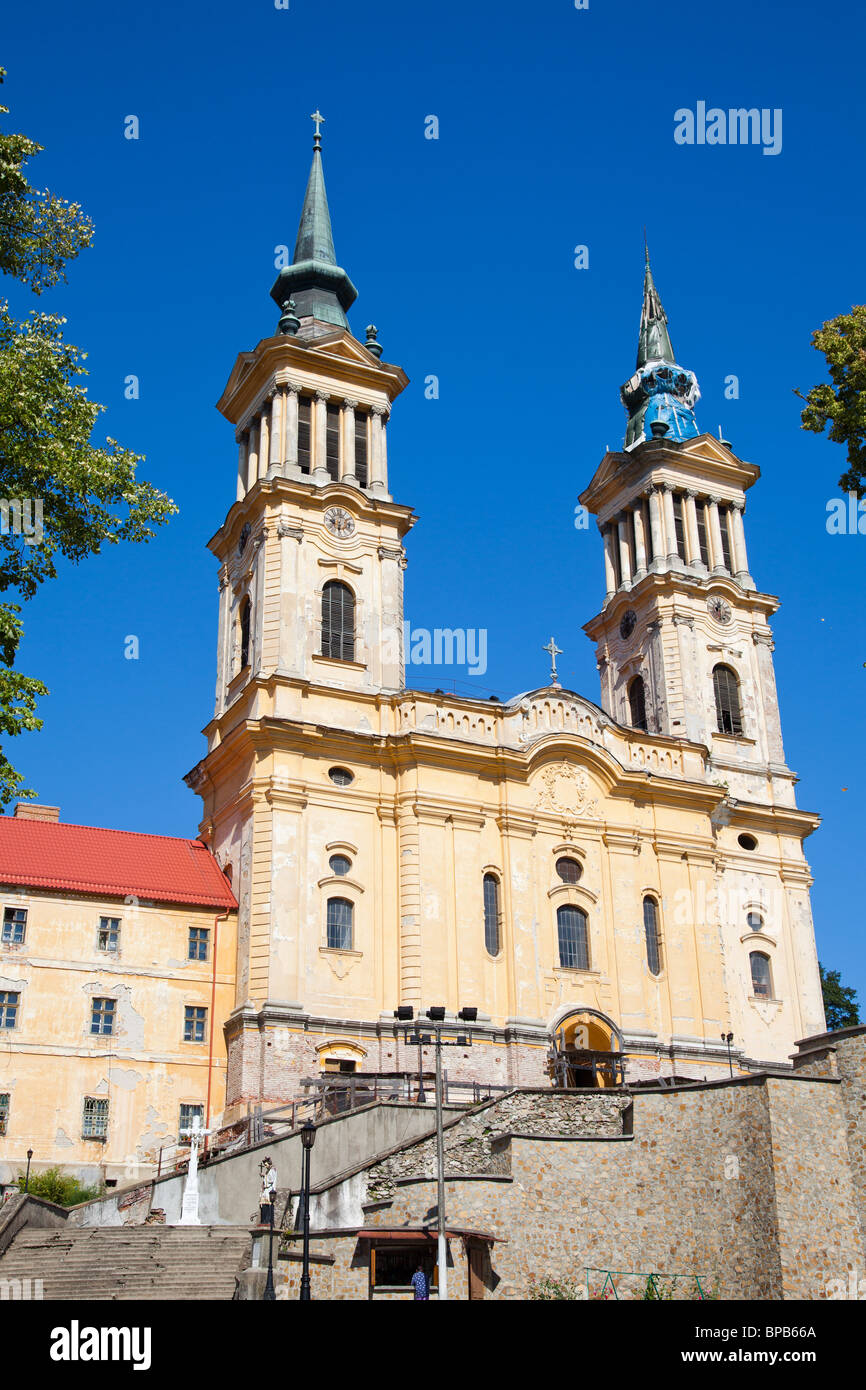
[
  {"x": 569, "y": 870},
  {"x": 573, "y": 938},
  {"x": 95, "y": 1118},
  {"x": 491, "y": 914},
  {"x": 339, "y": 924}
]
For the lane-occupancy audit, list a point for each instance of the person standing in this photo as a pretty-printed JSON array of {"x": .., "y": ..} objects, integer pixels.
[{"x": 420, "y": 1285}]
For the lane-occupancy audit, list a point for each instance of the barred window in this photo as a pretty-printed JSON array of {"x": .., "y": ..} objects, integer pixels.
[
  {"x": 9, "y": 1001},
  {"x": 94, "y": 1123},
  {"x": 304, "y": 433},
  {"x": 762, "y": 979},
  {"x": 4, "y": 1111},
  {"x": 108, "y": 935},
  {"x": 726, "y": 688},
  {"x": 188, "y": 1116},
  {"x": 361, "y": 469},
  {"x": 637, "y": 703},
  {"x": 102, "y": 1017},
  {"x": 338, "y": 621},
  {"x": 194, "y": 1023},
  {"x": 651, "y": 933},
  {"x": 340, "y": 921},
  {"x": 198, "y": 943},
  {"x": 14, "y": 925},
  {"x": 573, "y": 938},
  {"x": 491, "y": 914}
]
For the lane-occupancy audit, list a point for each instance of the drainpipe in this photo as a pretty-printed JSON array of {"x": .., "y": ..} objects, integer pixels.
[{"x": 221, "y": 917}]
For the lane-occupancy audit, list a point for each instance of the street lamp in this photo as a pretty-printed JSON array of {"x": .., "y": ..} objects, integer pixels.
[
  {"x": 308, "y": 1139},
  {"x": 729, "y": 1038},
  {"x": 27, "y": 1177},
  {"x": 420, "y": 1040},
  {"x": 270, "y": 1294}
]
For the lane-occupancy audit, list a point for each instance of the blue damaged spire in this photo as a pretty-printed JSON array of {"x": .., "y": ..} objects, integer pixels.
[{"x": 660, "y": 390}]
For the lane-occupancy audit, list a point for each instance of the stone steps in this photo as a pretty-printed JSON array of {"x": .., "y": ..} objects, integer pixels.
[{"x": 130, "y": 1262}]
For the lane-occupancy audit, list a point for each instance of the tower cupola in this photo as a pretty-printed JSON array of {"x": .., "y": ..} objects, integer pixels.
[{"x": 660, "y": 393}]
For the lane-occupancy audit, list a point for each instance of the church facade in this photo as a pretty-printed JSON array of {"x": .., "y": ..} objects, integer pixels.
[{"x": 617, "y": 887}]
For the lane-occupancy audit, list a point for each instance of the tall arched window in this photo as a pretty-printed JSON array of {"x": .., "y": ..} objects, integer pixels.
[
  {"x": 573, "y": 932},
  {"x": 762, "y": 978},
  {"x": 726, "y": 689},
  {"x": 491, "y": 914},
  {"x": 651, "y": 933},
  {"x": 338, "y": 621},
  {"x": 246, "y": 608},
  {"x": 637, "y": 703},
  {"x": 340, "y": 924}
]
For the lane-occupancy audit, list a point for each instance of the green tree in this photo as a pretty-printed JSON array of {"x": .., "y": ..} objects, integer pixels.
[
  {"x": 60, "y": 493},
  {"x": 841, "y": 406},
  {"x": 840, "y": 1001},
  {"x": 60, "y": 1188}
]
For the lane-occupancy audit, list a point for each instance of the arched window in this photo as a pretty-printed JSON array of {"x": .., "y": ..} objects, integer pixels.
[
  {"x": 637, "y": 703},
  {"x": 491, "y": 914},
  {"x": 762, "y": 979},
  {"x": 651, "y": 932},
  {"x": 726, "y": 689},
  {"x": 246, "y": 608},
  {"x": 338, "y": 621},
  {"x": 573, "y": 938},
  {"x": 340, "y": 923}
]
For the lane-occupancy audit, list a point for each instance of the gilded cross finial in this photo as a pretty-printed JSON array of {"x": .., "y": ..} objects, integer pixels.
[
  {"x": 554, "y": 651},
  {"x": 319, "y": 121}
]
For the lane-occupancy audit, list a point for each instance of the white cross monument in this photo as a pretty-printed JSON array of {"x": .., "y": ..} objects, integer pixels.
[{"x": 189, "y": 1208}]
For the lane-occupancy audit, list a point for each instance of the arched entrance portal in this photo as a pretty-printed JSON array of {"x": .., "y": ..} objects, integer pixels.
[{"x": 587, "y": 1051}]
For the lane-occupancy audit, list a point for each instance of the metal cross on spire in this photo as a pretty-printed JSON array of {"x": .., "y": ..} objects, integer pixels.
[
  {"x": 554, "y": 651},
  {"x": 319, "y": 121}
]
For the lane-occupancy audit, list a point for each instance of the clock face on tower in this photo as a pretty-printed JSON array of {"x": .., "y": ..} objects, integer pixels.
[
  {"x": 627, "y": 626},
  {"x": 339, "y": 522},
  {"x": 719, "y": 608}
]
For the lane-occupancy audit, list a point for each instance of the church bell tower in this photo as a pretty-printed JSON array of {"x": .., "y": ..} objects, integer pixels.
[{"x": 683, "y": 640}]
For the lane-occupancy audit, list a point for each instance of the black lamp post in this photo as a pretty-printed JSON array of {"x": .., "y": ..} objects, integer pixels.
[
  {"x": 308, "y": 1139},
  {"x": 27, "y": 1175},
  {"x": 270, "y": 1295},
  {"x": 729, "y": 1038}
]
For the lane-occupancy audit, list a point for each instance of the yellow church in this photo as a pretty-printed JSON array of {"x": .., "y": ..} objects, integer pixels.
[{"x": 619, "y": 888}]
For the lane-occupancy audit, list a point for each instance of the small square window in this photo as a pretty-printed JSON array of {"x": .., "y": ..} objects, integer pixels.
[
  {"x": 4, "y": 1111},
  {"x": 9, "y": 1001},
  {"x": 194, "y": 1023},
  {"x": 94, "y": 1124},
  {"x": 102, "y": 1017},
  {"x": 189, "y": 1114},
  {"x": 198, "y": 943},
  {"x": 108, "y": 936},
  {"x": 14, "y": 925}
]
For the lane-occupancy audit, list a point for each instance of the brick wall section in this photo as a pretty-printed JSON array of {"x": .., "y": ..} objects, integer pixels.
[{"x": 472, "y": 1144}]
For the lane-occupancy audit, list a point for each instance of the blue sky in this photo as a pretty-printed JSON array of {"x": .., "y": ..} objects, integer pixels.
[{"x": 555, "y": 130}]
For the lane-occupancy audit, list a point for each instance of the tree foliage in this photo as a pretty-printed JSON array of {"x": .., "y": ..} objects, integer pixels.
[
  {"x": 840, "y": 1001},
  {"x": 75, "y": 495},
  {"x": 839, "y": 406},
  {"x": 60, "y": 1188}
]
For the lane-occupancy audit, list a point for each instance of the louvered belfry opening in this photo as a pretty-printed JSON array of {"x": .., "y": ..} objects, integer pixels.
[
  {"x": 338, "y": 621},
  {"x": 304, "y": 433},
  {"x": 726, "y": 689},
  {"x": 637, "y": 703},
  {"x": 361, "y": 459}
]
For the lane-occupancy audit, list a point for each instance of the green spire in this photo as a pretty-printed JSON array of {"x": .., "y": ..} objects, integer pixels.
[
  {"x": 320, "y": 288},
  {"x": 654, "y": 344}
]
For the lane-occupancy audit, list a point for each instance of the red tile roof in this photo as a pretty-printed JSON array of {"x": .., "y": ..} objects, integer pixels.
[{"x": 110, "y": 863}]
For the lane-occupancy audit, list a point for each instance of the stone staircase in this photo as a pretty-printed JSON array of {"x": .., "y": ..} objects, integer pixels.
[{"x": 130, "y": 1262}]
